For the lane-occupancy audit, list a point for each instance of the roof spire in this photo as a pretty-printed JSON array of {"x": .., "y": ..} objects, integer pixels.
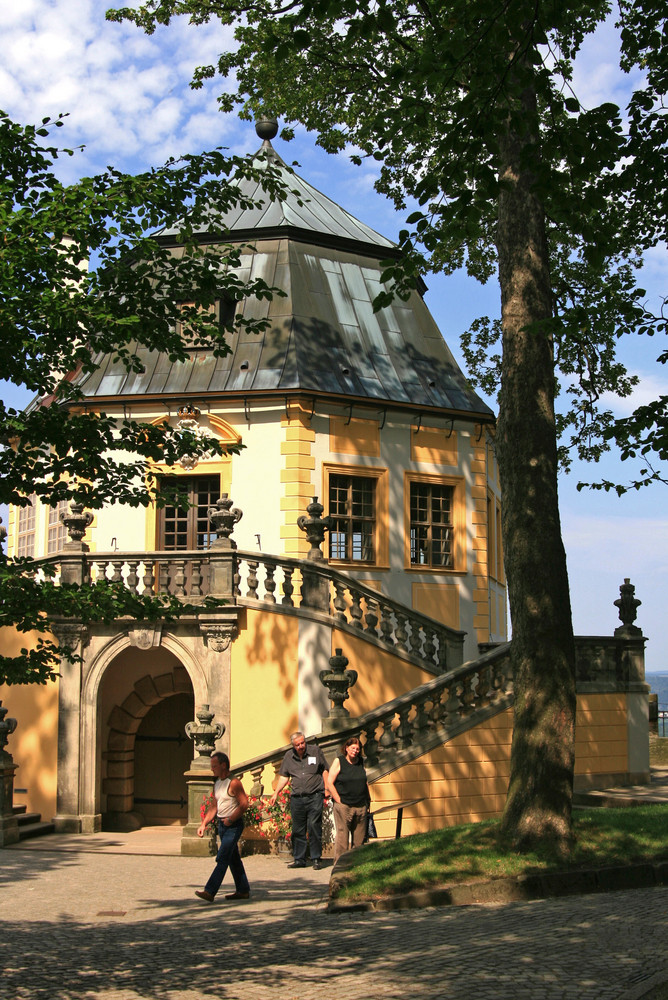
[{"x": 267, "y": 129}]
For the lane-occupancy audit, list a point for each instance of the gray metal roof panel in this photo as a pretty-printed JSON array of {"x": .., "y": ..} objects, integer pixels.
[{"x": 324, "y": 336}]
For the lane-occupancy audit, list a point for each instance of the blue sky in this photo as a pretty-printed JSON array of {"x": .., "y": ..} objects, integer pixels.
[{"x": 129, "y": 104}]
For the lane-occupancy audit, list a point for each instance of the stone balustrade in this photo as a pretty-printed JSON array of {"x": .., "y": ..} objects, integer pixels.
[
  {"x": 278, "y": 583},
  {"x": 410, "y": 725}
]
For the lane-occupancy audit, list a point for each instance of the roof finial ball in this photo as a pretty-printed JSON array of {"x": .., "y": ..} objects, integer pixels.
[{"x": 266, "y": 128}]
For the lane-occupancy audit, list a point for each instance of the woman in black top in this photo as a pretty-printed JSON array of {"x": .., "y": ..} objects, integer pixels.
[{"x": 347, "y": 784}]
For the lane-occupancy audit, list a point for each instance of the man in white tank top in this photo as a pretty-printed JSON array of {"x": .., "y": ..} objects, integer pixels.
[{"x": 229, "y": 807}]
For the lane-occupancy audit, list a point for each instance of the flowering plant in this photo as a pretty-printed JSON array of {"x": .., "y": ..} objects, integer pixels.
[
  {"x": 271, "y": 822},
  {"x": 254, "y": 814},
  {"x": 207, "y": 801},
  {"x": 280, "y": 818}
]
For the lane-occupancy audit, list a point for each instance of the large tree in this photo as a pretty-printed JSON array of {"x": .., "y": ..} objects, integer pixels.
[
  {"x": 58, "y": 318},
  {"x": 469, "y": 110}
]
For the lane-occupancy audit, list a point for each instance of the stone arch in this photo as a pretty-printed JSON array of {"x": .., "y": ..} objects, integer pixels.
[
  {"x": 120, "y": 755},
  {"x": 109, "y": 758}
]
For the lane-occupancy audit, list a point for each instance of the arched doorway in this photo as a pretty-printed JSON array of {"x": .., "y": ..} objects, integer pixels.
[{"x": 146, "y": 698}]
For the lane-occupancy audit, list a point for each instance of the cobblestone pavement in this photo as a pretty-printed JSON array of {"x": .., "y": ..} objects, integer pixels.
[{"x": 105, "y": 926}]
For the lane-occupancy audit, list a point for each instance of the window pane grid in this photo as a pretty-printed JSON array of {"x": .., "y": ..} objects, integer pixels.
[
  {"x": 431, "y": 528},
  {"x": 25, "y": 534},
  {"x": 187, "y": 525},
  {"x": 352, "y": 507}
]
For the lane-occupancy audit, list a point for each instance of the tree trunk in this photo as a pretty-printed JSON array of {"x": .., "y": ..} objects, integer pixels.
[{"x": 538, "y": 807}]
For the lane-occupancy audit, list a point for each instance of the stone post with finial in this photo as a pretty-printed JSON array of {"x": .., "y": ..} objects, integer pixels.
[
  {"x": 630, "y": 670},
  {"x": 338, "y": 682},
  {"x": 9, "y": 828},
  {"x": 315, "y": 588},
  {"x": 199, "y": 780},
  {"x": 223, "y": 516},
  {"x": 77, "y": 521}
]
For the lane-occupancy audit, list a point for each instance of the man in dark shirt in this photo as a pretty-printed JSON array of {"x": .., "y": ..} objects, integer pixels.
[{"x": 305, "y": 766}]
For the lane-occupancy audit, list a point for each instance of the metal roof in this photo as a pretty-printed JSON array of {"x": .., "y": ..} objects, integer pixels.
[
  {"x": 305, "y": 210},
  {"x": 323, "y": 337}
]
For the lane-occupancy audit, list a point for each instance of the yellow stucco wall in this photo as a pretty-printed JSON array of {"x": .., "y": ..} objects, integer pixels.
[
  {"x": 263, "y": 684},
  {"x": 466, "y": 779},
  {"x": 601, "y": 734},
  {"x": 34, "y": 743}
]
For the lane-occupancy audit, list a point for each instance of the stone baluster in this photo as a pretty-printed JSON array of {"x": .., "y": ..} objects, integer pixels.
[
  {"x": 179, "y": 578},
  {"x": 484, "y": 692},
  {"x": 257, "y": 788},
  {"x": 371, "y": 745},
  {"x": 386, "y": 624},
  {"x": 429, "y": 645},
  {"x": 371, "y": 618},
  {"x": 132, "y": 579},
  {"x": 252, "y": 581},
  {"x": 288, "y": 587},
  {"x": 149, "y": 578},
  {"x": 117, "y": 570},
  {"x": 340, "y": 601},
  {"x": 442, "y": 658},
  {"x": 421, "y": 720},
  {"x": 437, "y": 710},
  {"x": 400, "y": 632},
  {"x": 467, "y": 695},
  {"x": 196, "y": 578},
  {"x": 404, "y": 729},
  {"x": 452, "y": 704},
  {"x": 163, "y": 573},
  {"x": 270, "y": 582},
  {"x": 388, "y": 739},
  {"x": 415, "y": 639},
  {"x": 356, "y": 609}
]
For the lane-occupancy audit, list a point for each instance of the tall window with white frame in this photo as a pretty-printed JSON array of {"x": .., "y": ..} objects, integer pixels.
[
  {"x": 57, "y": 532},
  {"x": 352, "y": 507},
  {"x": 25, "y": 529},
  {"x": 432, "y": 525}
]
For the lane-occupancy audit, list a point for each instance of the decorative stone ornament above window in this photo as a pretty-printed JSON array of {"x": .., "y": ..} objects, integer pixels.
[{"x": 188, "y": 420}]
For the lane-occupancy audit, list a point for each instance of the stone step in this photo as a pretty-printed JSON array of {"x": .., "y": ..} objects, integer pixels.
[
  {"x": 19, "y": 810},
  {"x": 38, "y": 828},
  {"x": 25, "y": 818}
]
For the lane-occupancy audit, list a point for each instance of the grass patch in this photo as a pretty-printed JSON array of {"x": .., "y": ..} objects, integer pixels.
[{"x": 473, "y": 852}]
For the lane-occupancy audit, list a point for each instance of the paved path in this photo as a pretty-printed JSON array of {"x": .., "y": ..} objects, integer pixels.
[{"x": 100, "y": 922}]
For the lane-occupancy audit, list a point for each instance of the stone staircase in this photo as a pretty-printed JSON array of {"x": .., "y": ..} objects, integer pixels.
[
  {"x": 31, "y": 824},
  {"x": 411, "y": 725}
]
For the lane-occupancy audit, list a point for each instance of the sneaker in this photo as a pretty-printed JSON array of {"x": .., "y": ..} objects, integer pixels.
[
  {"x": 297, "y": 864},
  {"x": 316, "y": 865},
  {"x": 203, "y": 894},
  {"x": 237, "y": 895}
]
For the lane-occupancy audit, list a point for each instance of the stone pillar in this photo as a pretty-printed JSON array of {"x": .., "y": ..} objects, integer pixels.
[
  {"x": 199, "y": 780},
  {"x": 9, "y": 827},
  {"x": 68, "y": 818}
]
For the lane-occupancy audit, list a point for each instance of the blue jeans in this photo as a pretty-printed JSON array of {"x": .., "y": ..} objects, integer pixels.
[
  {"x": 228, "y": 857},
  {"x": 306, "y": 813}
]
